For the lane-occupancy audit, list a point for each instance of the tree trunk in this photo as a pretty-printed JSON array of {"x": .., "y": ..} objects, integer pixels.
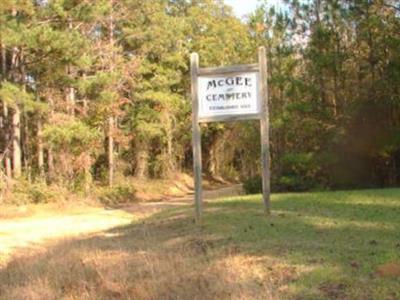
[
  {"x": 6, "y": 128},
  {"x": 50, "y": 164},
  {"x": 25, "y": 133},
  {"x": 16, "y": 114},
  {"x": 50, "y": 156},
  {"x": 16, "y": 137},
  {"x": 142, "y": 160},
  {"x": 84, "y": 100},
  {"x": 16, "y": 117},
  {"x": 111, "y": 118},
  {"x": 212, "y": 157},
  {"x": 320, "y": 79},
  {"x": 25, "y": 146},
  {"x": 40, "y": 148},
  {"x": 171, "y": 163},
  {"x": 3, "y": 61},
  {"x": 70, "y": 90},
  {"x": 71, "y": 100},
  {"x": 110, "y": 151},
  {"x": 5, "y": 121}
]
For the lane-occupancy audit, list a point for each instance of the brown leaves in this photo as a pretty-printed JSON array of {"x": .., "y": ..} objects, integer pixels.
[
  {"x": 389, "y": 270},
  {"x": 334, "y": 290}
]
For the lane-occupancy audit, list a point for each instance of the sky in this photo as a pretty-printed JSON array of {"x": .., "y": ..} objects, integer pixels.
[{"x": 244, "y": 7}]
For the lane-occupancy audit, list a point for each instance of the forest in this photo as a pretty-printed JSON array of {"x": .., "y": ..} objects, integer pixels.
[{"x": 97, "y": 93}]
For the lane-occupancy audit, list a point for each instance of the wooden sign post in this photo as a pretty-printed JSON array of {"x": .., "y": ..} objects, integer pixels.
[{"x": 230, "y": 94}]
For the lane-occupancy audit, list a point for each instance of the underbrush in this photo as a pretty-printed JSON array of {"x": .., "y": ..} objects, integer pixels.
[
  {"x": 124, "y": 191},
  {"x": 253, "y": 185},
  {"x": 22, "y": 192},
  {"x": 119, "y": 194}
]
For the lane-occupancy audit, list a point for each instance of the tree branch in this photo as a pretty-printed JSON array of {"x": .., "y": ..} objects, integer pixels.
[{"x": 392, "y": 6}]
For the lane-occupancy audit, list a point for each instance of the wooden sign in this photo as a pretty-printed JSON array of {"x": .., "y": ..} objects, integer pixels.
[{"x": 229, "y": 94}]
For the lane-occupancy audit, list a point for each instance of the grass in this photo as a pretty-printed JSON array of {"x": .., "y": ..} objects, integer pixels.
[{"x": 339, "y": 245}]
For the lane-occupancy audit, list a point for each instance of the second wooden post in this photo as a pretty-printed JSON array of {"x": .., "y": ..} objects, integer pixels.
[{"x": 264, "y": 123}]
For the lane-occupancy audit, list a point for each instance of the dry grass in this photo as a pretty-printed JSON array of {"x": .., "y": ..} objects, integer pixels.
[
  {"x": 169, "y": 259},
  {"x": 40, "y": 226}
]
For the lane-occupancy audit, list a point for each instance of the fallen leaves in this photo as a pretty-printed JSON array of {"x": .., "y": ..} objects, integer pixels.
[
  {"x": 334, "y": 290},
  {"x": 389, "y": 270}
]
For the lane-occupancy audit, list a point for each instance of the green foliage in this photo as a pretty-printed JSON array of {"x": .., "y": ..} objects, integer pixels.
[
  {"x": 39, "y": 193},
  {"x": 300, "y": 172},
  {"x": 22, "y": 192},
  {"x": 117, "y": 73},
  {"x": 15, "y": 96},
  {"x": 252, "y": 185},
  {"x": 119, "y": 194},
  {"x": 71, "y": 135}
]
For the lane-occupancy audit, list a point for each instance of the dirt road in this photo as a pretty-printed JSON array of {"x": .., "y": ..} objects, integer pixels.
[{"x": 33, "y": 233}]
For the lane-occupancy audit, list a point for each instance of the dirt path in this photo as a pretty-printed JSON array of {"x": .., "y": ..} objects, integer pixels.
[{"x": 32, "y": 233}]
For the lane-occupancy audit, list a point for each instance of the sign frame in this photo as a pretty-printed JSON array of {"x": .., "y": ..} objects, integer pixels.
[{"x": 262, "y": 116}]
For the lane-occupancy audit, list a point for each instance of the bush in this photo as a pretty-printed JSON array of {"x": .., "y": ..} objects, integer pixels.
[
  {"x": 117, "y": 195},
  {"x": 300, "y": 172},
  {"x": 253, "y": 185},
  {"x": 295, "y": 183},
  {"x": 23, "y": 192},
  {"x": 40, "y": 193}
]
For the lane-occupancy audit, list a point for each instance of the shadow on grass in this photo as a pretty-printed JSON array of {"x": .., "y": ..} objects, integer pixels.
[{"x": 314, "y": 246}]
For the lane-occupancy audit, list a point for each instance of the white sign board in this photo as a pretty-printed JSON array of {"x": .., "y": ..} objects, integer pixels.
[{"x": 229, "y": 95}]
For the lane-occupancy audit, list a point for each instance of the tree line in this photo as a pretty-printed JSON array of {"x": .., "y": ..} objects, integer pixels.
[{"x": 95, "y": 91}]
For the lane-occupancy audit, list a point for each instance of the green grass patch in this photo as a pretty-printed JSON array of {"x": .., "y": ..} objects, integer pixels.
[
  {"x": 341, "y": 239},
  {"x": 336, "y": 241}
]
